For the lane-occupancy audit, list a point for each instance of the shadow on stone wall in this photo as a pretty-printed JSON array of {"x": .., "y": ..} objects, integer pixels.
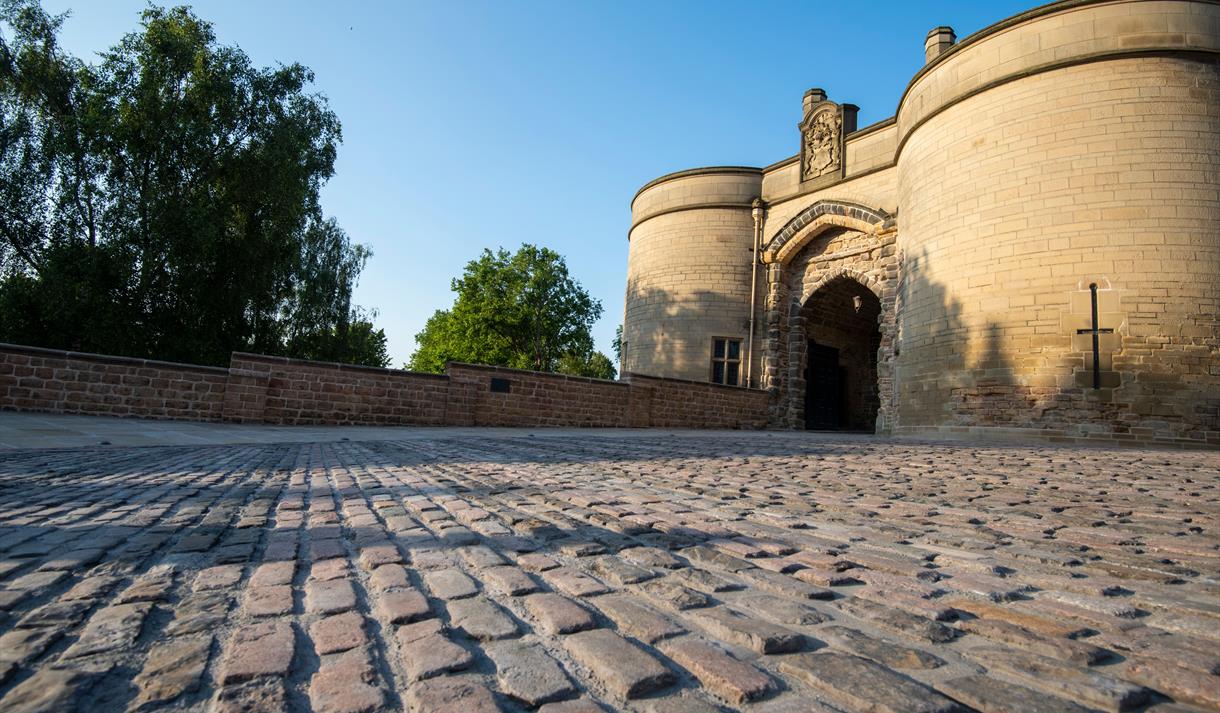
[
  {"x": 951, "y": 373},
  {"x": 961, "y": 375},
  {"x": 662, "y": 345},
  {"x": 930, "y": 357}
]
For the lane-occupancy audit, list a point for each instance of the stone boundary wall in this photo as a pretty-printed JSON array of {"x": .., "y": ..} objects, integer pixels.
[
  {"x": 678, "y": 403},
  {"x": 540, "y": 399},
  {"x": 298, "y": 392},
  {"x": 35, "y": 379},
  {"x": 276, "y": 390},
  {"x": 1074, "y": 435}
]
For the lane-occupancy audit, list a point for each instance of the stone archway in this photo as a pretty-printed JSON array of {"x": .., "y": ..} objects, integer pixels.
[
  {"x": 842, "y": 338},
  {"x": 821, "y": 216},
  {"x": 833, "y": 252}
]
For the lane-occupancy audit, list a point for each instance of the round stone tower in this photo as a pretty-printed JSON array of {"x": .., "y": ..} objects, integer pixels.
[
  {"x": 1029, "y": 247},
  {"x": 1059, "y": 198},
  {"x": 689, "y": 272}
]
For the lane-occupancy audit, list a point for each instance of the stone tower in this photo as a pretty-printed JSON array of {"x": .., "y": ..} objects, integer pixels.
[{"x": 1029, "y": 246}]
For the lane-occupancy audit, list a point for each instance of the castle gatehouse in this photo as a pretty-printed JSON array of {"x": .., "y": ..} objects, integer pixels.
[{"x": 1029, "y": 246}]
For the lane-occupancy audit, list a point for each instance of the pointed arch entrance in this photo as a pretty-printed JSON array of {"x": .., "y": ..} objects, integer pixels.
[
  {"x": 842, "y": 337},
  {"x": 831, "y": 321}
]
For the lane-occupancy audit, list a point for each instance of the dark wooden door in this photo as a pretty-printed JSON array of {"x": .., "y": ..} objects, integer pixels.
[{"x": 822, "y": 388}]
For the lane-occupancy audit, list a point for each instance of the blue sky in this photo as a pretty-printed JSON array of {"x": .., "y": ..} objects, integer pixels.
[{"x": 482, "y": 124}]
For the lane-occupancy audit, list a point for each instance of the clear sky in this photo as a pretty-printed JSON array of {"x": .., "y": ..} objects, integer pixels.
[{"x": 483, "y": 124}]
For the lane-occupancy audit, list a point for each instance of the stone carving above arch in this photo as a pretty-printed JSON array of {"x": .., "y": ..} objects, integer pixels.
[
  {"x": 820, "y": 216},
  {"x": 824, "y": 126},
  {"x": 821, "y": 143}
]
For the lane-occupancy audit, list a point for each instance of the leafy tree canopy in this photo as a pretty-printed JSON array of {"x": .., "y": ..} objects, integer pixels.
[
  {"x": 163, "y": 201},
  {"x": 521, "y": 310}
]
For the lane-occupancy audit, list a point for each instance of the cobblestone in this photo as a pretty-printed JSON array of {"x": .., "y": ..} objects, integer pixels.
[
  {"x": 749, "y": 571},
  {"x": 728, "y": 678},
  {"x": 173, "y": 667},
  {"x": 338, "y": 633},
  {"x": 263, "y": 649},
  {"x": 344, "y": 684},
  {"x": 526, "y": 672},
  {"x": 620, "y": 666}
]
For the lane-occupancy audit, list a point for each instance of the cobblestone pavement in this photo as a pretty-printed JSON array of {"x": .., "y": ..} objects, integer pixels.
[{"x": 655, "y": 573}]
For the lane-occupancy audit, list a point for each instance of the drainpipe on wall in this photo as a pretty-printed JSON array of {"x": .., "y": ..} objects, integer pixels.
[{"x": 758, "y": 213}]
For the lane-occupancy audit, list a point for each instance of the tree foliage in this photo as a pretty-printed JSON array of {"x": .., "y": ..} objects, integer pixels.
[
  {"x": 521, "y": 310},
  {"x": 163, "y": 201}
]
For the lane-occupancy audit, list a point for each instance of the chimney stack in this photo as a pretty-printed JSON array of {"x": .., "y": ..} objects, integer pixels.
[
  {"x": 812, "y": 97},
  {"x": 938, "y": 42}
]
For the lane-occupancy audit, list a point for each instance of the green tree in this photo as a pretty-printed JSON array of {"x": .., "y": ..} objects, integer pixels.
[
  {"x": 593, "y": 364},
  {"x": 521, "y": 310},
  {"x": 163, "y": 202}
]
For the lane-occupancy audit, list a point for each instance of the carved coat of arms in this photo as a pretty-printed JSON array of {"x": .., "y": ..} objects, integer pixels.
[{"x": 822, "y": 141}]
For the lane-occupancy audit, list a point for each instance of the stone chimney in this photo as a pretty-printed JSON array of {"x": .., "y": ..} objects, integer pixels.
[
  {"x": 938, "y": 42},
  {"x": 812, "y": 97}
]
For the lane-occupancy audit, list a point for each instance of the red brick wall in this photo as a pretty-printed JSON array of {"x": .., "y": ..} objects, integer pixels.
[
  {"x": 264, "y": 389},
  {"x": 677, "y": 403},
  {"x": 538, "y": 399},
  {"x": 302, "y": 392},
  {"x": 34, "y": 379}
]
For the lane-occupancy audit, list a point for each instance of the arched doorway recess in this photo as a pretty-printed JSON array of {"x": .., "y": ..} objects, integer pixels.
[
  {"x": 833, "y": 279},
  {"x": 842, "y": 339}
]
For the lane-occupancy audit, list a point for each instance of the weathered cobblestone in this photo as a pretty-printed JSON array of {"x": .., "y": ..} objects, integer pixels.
[
  {"x": 646, "y": 573},
  {"x": 617, "y": 664},
  {"x": 263, "y": 649},
  {"x": 173, "y": 667},
  {"x": 728, "y": 678},
  {"x": 526, "y": 672}
]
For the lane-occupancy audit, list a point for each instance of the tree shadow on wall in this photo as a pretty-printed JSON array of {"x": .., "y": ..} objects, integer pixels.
[
  {"x": 657, "y": 320},
  {"x": 946, "y": 373},
  {"x": 980, "y": 376}
]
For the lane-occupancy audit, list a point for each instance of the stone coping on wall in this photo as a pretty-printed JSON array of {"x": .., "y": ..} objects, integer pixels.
[
  {"x": 629, "y": 375},
  {"x": 1101, "y": 30},
  {"x": 492, "y": 369},
  {"x": 1135, "y": 43},
  {"x": 109, "y": 359},
  {"x": 338, "y": 366},
  {"x": 963, "y": 44},
  {"x": 701, "y": 171},
  {"x": 848, "y": 137}
]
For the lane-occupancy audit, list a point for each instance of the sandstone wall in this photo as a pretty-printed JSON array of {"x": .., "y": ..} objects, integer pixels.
[
  {"x": 1074, "y": 148},
  {"x": 264, "y": 389},
  {"x": 33, "y": 379},
  {"x": 673, "y": 403},
  {"x": 536, "y": 399},
  {"x": 300, "y": 392},
  {"x": 688, "y": 271}
]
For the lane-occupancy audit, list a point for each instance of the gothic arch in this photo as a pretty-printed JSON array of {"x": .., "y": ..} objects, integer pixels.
[
  {"x": 834, "y": 346},
  {"x": 818, "y": 217},
  {"x": 861, "y": 258},
  {"x": 839, "y": 273}
]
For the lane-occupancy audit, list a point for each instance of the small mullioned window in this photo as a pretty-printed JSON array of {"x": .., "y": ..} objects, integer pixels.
[{"x": 726, "y": 361}]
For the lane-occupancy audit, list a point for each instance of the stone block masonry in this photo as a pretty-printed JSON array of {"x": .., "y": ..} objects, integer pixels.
[
  {"x": 277, "y": 390},
  {"x": 1047, "y": 179},
  {"x": 33, "y": 379},
  {"x": 305, "y": 393}
]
